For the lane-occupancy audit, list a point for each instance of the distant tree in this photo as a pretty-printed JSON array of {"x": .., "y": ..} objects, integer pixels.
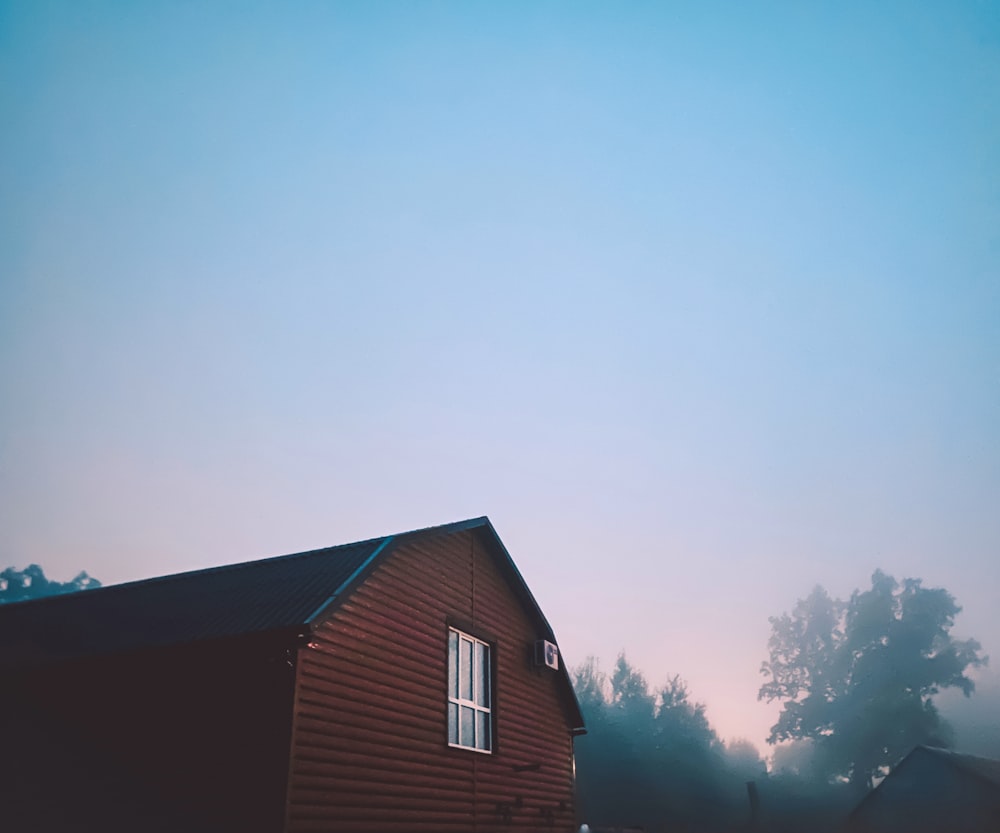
[
  {"x": 684, "y": 723},
  {"x": 31, "y": 583},
  {"x": 795, "y": 759},
  {"x": 630, "y": 697},
  {"x": 699, "y": 788},
  {"x": 650, "y": 757},
  {"x": 630, "y": 746},
  {"x": 744, "y": 758},
  {"x": 590, "y": 685},
  {"x": 977, "y": 720},
  {"x": 857, "y": 677}
]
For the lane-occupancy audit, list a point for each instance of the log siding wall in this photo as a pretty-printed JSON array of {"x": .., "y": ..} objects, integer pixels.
[{"x": 369, "y": 750}]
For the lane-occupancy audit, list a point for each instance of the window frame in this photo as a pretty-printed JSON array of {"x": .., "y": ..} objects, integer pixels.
[{"x": 475, "y": 701}]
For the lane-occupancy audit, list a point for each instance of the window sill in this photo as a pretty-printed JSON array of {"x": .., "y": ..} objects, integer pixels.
[{"x": 470, "y": 749}]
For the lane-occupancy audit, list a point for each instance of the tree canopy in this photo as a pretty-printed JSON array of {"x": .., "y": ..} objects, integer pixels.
[
  {"x": 31, "y": 583},
  {"x": 857, "y": 678}
]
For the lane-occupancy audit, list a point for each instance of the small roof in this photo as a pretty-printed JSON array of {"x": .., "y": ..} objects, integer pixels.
[
  {"x": 984, "y": 770},
  {"x": 287, "y": 594}
]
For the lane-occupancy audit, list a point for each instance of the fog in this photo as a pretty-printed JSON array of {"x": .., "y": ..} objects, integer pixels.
[
  {"x": 862, "y": 683},
  {"x": 976, "y": 719}
]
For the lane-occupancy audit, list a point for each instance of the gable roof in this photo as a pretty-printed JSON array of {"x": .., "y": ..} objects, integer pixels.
[{"x": 287, "y": 594}]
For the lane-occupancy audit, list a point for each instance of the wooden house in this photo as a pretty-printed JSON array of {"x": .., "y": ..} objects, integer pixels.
[
  {"x": 933, "y": 791},
  {"x": 405, "y": 683}
]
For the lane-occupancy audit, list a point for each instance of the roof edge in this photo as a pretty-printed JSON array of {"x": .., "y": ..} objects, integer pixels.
[
  {"x": 528, "y": 597},
  {"x": 964, "y": 762},
  {"x": 218, "y": 568},
  {"x": 318, "y": 614}
]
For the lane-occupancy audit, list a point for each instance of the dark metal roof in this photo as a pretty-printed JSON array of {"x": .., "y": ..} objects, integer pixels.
[{"x": 234, "y": 600}]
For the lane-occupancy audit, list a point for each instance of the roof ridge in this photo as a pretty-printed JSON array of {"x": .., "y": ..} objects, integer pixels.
[
  {"x": 108, "y": 589},
  {"x": 954, "y": 753},
  {"x": 979, "y": 766},
  {"x": 471, "y": 522}
]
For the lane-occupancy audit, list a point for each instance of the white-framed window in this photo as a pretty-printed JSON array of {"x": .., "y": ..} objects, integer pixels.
[{"x": 470, "y": 694}]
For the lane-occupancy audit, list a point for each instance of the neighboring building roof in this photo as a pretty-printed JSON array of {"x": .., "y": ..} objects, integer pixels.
[
  {"x": 985, "y": 769},
  {"x": 290, "y": 593},
  {"x": 919, "y": 794}
]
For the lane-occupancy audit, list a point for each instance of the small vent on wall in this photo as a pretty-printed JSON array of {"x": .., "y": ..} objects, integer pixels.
[{"x": 546, "y": 654}]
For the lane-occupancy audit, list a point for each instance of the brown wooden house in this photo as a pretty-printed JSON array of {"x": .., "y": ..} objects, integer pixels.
[{"x": 406, "y": 683}]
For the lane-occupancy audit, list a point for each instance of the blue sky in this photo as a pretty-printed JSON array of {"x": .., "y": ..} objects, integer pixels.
[{"x": 699, "y": 302}]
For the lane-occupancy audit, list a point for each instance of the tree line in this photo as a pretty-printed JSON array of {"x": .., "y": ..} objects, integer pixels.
[
  {"x": 650, "y": 758},
  {"x": 32, "y": 583},
  {"x": 856, "y": 679}
]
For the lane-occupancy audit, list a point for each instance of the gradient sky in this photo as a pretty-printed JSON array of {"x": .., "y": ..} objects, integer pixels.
[{"x": 699, "y": 302}]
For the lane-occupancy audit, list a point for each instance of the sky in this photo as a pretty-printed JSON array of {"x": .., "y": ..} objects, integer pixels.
[{"x": 699, "y": 302}]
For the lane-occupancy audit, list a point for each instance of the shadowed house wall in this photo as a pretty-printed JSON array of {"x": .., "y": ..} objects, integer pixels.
[{"x": 196, "y": 737}]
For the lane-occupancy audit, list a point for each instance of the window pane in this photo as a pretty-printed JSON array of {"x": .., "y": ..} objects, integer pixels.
[
  {"x": 483, "y": 730},
  {"x": 465, "y": 669},
  {"x": 469, "y": 681},
  {"x": 482, "y": 675},
  {"x": 452, "y": 664},
  {"x": 465, "y": 733}
]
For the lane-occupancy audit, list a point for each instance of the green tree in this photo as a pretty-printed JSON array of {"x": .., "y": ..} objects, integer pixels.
[{"x": 857, "y": 677}]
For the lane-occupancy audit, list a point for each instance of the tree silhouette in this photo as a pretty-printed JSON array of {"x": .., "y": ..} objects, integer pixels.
[
  {"x": 650, "y": 757},
  {"x": 857, "y": 678},
  {"x": 31, "y": 583}
]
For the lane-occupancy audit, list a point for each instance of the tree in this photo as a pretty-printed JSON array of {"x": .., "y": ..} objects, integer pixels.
[
  {"x": 650, "y": 757},
  {"x": 857, "y": 677},
  {"x": 795, "y": 759},
  {"x": 31, "y": 583},
  {"x": 682, "y": 725},
  {"x": 744, "y": 758}
]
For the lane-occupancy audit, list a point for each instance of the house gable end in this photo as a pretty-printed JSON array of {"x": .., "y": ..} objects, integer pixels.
[
  {"x": 487, "y": 535},
  {"x": 371, "y": 739}
]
